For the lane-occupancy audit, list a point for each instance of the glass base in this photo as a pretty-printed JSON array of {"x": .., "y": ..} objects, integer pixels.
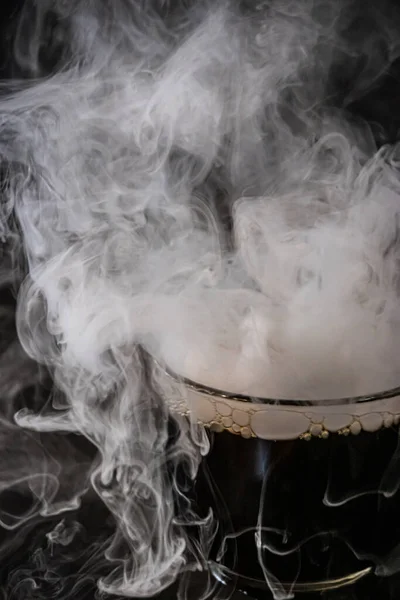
[{"x": 248, "y": 585}]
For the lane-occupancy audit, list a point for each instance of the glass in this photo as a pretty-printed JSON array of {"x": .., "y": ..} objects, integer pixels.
[{"x": 305, "y": 492}]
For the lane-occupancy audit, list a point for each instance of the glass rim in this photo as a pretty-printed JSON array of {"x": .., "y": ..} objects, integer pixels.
[{"x": 232, "y": 396}]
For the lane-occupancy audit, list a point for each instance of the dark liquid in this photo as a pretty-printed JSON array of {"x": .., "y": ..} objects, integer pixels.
[{"x": 306, "y": 511}]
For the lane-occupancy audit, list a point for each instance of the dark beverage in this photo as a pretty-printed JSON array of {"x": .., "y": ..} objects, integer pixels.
[{"x": 298, "y": 516}]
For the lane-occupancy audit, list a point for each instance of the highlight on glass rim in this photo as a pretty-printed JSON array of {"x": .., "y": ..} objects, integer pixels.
[{"x": 199, "y": 299}]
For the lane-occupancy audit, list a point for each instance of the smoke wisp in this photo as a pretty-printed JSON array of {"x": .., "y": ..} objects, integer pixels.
[{"x": 184, "y": 179}]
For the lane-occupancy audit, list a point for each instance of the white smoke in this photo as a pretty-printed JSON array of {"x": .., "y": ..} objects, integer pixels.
[{"x": 180, "y": 182}]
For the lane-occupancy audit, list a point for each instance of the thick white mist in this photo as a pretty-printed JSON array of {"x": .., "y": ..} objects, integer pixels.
[{"x": 182, "y": 185}]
